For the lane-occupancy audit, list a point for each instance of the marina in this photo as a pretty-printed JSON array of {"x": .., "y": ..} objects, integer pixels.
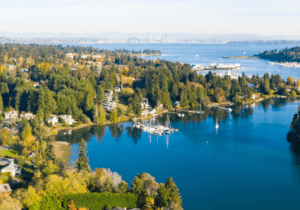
[
  {"x": 215, "y": 66},
  {"x": 155, "y": 128}
]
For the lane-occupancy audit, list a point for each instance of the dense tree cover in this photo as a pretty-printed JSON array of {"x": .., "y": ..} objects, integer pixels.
[
  {"x": 293, "y": 135},
  {"x": 283, "y": 55},
  {"x": 95, "y": 201}
]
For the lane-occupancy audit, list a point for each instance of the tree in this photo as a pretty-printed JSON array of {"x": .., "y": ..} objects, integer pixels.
[
  {"x": 100, "y": 94},
  {"x": 82, "y": 162},
  {"x": 114, "y": 116},
  {"x": 1, "y": 103},
  {"x": 123, "y": 187},
  {"x": 174, "y": 195},
  {"x": 25, "y": 128},
  {"x": 49, "y": 152},
  {"x": 291, "y": 81},
  {"x": 293, "y": 94}
]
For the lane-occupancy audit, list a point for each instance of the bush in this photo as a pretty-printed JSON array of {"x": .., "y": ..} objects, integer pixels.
[
  {"x": 62, "y": 121},
  {"x": 96, "y": 201}
]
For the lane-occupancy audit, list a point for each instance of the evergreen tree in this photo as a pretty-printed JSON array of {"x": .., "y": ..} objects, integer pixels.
[
  {"x": 174, "y": 195},
  {"x": 41, "y": 104},
  {"x": 82, "y": 162},
  {"x": 100, "y": 94},
  {"x": 114, "y": 116},
  {"x": 137, "y": 186},
  {"x": 49, "y": 152},
  {"x": 25, "y": 128},
  {"x": 1, "y": 103}
]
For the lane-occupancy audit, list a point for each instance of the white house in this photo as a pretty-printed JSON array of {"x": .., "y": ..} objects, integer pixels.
[
  {"x": 68, "y": 119},
  {"x": 11, "y": 115},
  {"x": 52, "y": 119},
  {"x": 118, "y": 88},
  {"x": 28, "y": 116},
  {"x": 7, "y": 165},
  {"x": 145, "y": 104},
  {"x": 4, "y": 188},
  {"x": 108, "y": 103},
  {"x": 70, "y": 55}
]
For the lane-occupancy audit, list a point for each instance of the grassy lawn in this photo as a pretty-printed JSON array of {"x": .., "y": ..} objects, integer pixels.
[{"x": 10, "y": 153}]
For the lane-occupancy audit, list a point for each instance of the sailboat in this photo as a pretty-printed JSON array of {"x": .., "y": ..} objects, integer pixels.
[
  {"x": 217, "y": 124},
  {"x": 167, "y": 126}
]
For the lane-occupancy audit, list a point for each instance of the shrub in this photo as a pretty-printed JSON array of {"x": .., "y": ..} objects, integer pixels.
[
  {"x": 127, "y": 92},
  {"x": 96, "y": 201}
]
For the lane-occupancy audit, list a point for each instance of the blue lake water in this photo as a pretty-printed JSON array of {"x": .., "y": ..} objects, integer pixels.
[
  {"x": 245, "y": 164},
  {"x": 210, "y": 53}
]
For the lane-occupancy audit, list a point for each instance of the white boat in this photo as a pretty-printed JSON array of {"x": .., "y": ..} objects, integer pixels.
[
  {"x": 229, "y": 109},
  {"x": 167, "y": 131},
  {"x": 217, "y": 124},
  {"x": 182, "y": 115}
]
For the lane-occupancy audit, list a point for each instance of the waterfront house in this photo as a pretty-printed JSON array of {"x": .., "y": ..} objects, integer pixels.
[
  {"x": 145, "y": 103},
  {"x": 52, "y": 119},
  {"x": 11, "y": 115},
  {"x": 28, "y": 116},
  {"x": 108, "y": 103},
  {"x": 68, "y": 119},
  {"x": 5, "y": 190},
  {"x": 7, "y": 165}
]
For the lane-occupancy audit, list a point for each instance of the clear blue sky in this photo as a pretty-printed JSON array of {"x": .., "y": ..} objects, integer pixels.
[{"x": 265, "y": 17}]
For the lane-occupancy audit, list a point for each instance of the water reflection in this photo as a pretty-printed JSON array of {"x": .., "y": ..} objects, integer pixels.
[{"x": 117, "y": 129}]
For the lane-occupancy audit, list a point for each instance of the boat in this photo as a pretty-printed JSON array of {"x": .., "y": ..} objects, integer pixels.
[
  {"x": 229, "y": 109},
  {"x": 217, "y": 124}
]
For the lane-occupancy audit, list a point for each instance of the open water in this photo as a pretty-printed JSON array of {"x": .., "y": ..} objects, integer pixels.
[
  {"x": 245, "y": 164},
  {"x": 204, "y": 54}
]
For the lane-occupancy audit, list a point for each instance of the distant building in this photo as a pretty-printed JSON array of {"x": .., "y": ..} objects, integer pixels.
[
  {"x": 145, "y": 103},
  {"x": 68, "y": 119},
  {"x": 118, "y": 88},
  {"x": 28, "y": 116},
  {"x": 52, "y": 119},
  {"x": 70, "y": 55},
  {"x": 7, "y": 165},
  {"x": 11, "y": 115},
  {"x": 24, "y": 70}
]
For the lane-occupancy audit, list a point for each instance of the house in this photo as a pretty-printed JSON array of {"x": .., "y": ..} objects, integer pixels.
[
  {"x": 35, "y": 84},
  {"x": 145, "y": 103},
  {"x": 176, "y": 103},
  {"x": 31, "y": 155},
  {"x": 7, "y": 165},
  {"x": 68, "y": 119},
  {"x": 52, "y": 119},
  {"x": 70, "y": 55},
  {"x": 28, "y": 116},
  {"x": 118, "y": 88},
  {"x": 151, "y": 110},
  {"x": 24, "y": 70},
  {"x": 108, "y": 103},
  {"x": 11, "y": 115},
  {"x": 5, "y": 190}
]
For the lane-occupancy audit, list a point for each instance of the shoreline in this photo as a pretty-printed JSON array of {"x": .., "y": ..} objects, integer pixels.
[{"x": 224, "y": 104}]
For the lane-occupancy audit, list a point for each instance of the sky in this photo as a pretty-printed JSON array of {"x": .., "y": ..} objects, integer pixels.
[{"x": 264, "y": 17}]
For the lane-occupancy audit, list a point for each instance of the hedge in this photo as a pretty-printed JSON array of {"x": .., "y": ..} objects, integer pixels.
[{"x": 99, "y": 201}]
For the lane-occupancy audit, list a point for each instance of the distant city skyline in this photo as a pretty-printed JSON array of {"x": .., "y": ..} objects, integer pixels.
[{"x": 259, "y": 17}]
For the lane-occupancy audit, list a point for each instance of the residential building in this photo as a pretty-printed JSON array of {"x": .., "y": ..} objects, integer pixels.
[
  {"x": 11, "y": 115},
  {"x": 118, "y": 88},
  {"x": 28, "y": 116},
  {"x": 7, "y": 165},
  {"x": 24, "y": 70},
  {"x": 145, "y": 103},
  {"x": 68, "y": 119},
  {"x": 52, "y": 119},
  {"x": 108, "y": 103},
  {"x": 5, "y": 190}
]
